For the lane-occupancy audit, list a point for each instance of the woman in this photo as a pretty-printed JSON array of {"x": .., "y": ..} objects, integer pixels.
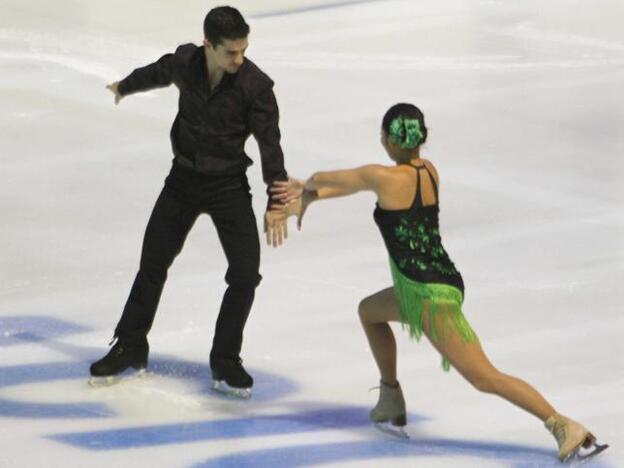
[{"x": 428, "y": 289}]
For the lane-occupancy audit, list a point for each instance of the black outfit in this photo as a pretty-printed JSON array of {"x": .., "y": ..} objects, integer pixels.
[
  {"x": 209, "y": 132},
  {"x": 412, "y": 237},
  {"x": 208, "y": 176}
]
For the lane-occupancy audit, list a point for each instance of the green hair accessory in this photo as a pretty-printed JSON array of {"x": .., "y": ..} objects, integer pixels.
[{"x": 406, "y": 132}]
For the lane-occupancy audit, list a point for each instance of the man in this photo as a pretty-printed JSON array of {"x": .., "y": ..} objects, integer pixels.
[{"x": 224, "y": 98}]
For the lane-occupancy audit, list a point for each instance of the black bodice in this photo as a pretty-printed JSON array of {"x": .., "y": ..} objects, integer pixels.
[{"x": 412, "y": 237}]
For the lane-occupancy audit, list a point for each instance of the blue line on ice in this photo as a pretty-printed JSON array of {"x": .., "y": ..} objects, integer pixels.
[{"x": 515, "y": 456}]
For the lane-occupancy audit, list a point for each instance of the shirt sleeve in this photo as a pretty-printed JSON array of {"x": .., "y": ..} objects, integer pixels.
[
  {"x": 264, "y": 124},
  {"x": 155, "y": 75}
]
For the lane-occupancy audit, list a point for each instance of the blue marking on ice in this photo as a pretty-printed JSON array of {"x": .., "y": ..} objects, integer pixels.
[
  {"x": 41, "y": 330},
  {"x": 515, "y": 456},
  {"x": 343, "y": 417},
  {"x": 34, "y": 328}
]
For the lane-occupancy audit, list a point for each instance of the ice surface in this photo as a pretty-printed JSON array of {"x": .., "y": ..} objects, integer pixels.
[{"x": 525, "y": 107}]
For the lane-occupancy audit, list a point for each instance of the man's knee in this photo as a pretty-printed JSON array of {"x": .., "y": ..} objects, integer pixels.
[
  {"x": 243, "y": 279},
  {"x": 155, "y": 269}
]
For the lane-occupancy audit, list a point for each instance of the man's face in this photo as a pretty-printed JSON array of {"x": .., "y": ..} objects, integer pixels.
[{"x": 229, "y": 54}]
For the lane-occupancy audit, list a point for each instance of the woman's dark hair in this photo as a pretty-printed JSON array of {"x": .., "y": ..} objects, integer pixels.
[
  {"x": 224, "y": 23},
  {"x": 405, "y": 124}
]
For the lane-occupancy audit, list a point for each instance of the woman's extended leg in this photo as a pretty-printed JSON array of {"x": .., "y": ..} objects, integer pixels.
[
  {"x": 472, "y": 363},
  {"x": 375, "y": 313}
]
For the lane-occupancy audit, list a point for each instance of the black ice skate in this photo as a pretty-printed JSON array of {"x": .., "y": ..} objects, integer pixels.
[
  {"x": 230, "y": 377},
  {"x": 121, "y": 357}
]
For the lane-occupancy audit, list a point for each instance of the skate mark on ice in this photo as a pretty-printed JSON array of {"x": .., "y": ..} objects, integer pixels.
[
  {"x": 338, "y": 418},
  {"x": 513, "y": 455},
  {"x": 305, "y": 9},
  {"x": 34, "y": 330},
  {"x": 272, "y": 386}
]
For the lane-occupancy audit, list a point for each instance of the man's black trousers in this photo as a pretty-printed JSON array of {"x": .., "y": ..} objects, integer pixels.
[{"x": 186, "y": 195}]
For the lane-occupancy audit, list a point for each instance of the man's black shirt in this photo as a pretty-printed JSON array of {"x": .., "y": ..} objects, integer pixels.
[{"x": 209, "y": 132}]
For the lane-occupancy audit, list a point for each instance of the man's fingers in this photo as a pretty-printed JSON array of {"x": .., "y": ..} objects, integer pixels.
[{"x": 267, "y": 232}]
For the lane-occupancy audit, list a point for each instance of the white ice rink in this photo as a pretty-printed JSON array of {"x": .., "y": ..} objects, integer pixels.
[{"x": 525, "y": 105}]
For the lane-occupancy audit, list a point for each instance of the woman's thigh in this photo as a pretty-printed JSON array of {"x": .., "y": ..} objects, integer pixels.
[{"x": 467, "y": 358}]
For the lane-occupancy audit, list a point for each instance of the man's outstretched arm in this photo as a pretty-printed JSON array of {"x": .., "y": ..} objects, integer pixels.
[{"x": 155, "y": 75}]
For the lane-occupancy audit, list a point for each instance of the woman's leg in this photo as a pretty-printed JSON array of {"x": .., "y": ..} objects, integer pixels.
[
  {"x": 375, "y": 313},
  {"x": 472, "y": 363}
]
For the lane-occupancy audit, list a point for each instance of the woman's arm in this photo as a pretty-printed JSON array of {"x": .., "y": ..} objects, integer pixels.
[
  {"x": 330, "y": 184},
  {"x": 296, "y": 195}
]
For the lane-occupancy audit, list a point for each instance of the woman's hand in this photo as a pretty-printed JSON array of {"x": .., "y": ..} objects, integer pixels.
[
  {"x": 297, "y": 207},
  {"x": 284, "y": 192},
  {"x": 307, "y": 197}
]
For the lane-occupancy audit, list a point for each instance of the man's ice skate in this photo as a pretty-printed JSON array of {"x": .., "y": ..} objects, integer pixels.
[
  {"x": 572, "y": 438},
  {"x": 229, "y": 377},
  {"x": 107, "y": 370},
  {"x": 389, "y": 414}
]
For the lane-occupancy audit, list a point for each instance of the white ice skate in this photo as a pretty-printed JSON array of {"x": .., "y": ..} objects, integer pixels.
[
  {"x": 389, "y": 414},
  {"x": 109, "y": 380},
  {"x": 221, "y": 386},
  {"x": 572, "y": 439}
]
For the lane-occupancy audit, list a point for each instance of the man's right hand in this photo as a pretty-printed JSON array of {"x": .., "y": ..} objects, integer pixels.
[{"x": 114, "y": 87}]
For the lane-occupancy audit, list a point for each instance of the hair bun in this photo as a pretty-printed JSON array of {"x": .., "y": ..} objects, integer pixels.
[{"x": 406, "y": 132}]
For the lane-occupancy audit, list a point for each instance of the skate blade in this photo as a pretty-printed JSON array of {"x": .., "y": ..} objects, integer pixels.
[
  {"x": 110, "y": 380},
  {"x": 222, "y": 387},
  {"x": 580, "y": 456},
  {"x": 394, "y": 431}
]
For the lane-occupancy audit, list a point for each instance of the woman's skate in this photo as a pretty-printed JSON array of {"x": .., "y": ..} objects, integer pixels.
[
  {"x": 572, "y": 437},
  {"x": 390, "y": 409}
]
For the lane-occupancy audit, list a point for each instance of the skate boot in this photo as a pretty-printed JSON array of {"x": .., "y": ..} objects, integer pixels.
[
  {"x": 121, "y": 356},
  {"x": 230, "y": 377},
  {"x": 571, "y": 436},
  {"x": 390, "y": 408}
]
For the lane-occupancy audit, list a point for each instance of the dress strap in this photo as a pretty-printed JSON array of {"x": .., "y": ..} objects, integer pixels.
[{"x": 418, "y": 199}]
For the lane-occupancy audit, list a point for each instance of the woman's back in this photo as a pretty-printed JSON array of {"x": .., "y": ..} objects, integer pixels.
[
  {"x": 407, "y": 216},
  {"x": 402, "y": 184}
]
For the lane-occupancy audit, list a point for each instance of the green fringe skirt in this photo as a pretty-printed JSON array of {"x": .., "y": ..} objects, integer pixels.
[{"x": 438, "y": 300}]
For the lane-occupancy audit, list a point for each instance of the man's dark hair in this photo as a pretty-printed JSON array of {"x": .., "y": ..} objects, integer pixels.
[{"x": 224, "y": 23}]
